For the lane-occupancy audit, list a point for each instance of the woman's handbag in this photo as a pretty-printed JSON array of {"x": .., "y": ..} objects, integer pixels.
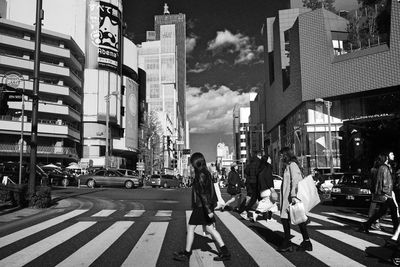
[
  {"x": 307, "y": 192},
  {"x": 379, "y": 198},
  {"x": 297, "y": 213},
  {"x": 233, "y": 189}
]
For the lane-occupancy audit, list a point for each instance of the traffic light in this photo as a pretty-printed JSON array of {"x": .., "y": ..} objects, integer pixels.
[
  {"x": 168, "y": 142},
  {"x": 3, "y": 103},
  {"x": 173, "y": 163}
]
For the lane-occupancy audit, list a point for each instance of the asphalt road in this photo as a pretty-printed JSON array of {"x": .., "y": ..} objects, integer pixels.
[{"x": 143, "y": 227}]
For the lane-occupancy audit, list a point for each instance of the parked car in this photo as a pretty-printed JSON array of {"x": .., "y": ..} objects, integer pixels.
[
  {"x": 107, "y": 178},
  {"x": 59, "y": 177},
  {"x": 351, "y": 188},
  {"x": 137, "y": 180},
  {"x": 164, "y": 180},
  {"x": 9, "y": 171}
]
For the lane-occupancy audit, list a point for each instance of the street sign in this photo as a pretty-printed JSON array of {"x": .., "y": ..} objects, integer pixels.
[
  {"x": 140, "y": 166},
  {"x": 179, "y": 142},
  {"x": 186, "y": 151},
  {"x": 12, "y": 80}
]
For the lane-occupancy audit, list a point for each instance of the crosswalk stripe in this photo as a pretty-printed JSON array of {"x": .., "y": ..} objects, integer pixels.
[
  {"x": 104, "y": 213},
  {"x": 258, "y": 249},
  {"x": 87, "y": 254},
  {"x": 321, "y": 252},
  {"x": 199, "y": 257},
  {"x": 357, "y": 219},
  {"x": 28, "y": 254},
  {"x": 134, "y": 213},
  {"x": 350, "y": 240},
  {"x": 314, "y": 224},
  {"x": 324, "y": 218},
  {"x": 147, "y": 249},
  {"x": 162, "y": 213},
  {"x": 11, "y": 238}
]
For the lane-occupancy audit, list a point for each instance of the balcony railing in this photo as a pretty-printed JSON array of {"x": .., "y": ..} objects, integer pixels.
[
  {"x": 41, "y": 150},
  {"x": 50, "y": 122}
]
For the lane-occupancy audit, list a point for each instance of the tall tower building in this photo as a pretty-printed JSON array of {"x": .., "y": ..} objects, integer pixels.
[{"x": 171, "y": 30}]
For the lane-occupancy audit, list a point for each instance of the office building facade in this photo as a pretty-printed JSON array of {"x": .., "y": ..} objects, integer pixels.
[
  {"x": 60, "y": 95},
  {"x": 306, "y": 61}
]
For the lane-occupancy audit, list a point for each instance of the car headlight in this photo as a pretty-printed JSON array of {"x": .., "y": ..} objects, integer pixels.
[
  {"x": 336, "y": 190},
  {"x": 365, "y": 191}
]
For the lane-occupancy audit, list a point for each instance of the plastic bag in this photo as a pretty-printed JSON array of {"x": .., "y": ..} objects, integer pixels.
[
  {"x": 297, "y": 213},
  {"x": 307, "y": 192}
]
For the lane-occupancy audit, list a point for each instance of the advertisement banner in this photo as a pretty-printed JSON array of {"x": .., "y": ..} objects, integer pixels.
[
  {"x": 103, "y": 36},
  {"x": 131, "y": 115}
]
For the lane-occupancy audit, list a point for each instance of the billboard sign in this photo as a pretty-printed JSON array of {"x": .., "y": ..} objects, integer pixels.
[
  {"x": 103, "y": 36},
  {"x": 131, "y": 116}
]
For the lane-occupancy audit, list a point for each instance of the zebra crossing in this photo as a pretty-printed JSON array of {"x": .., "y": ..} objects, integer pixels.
[{"x": 148, "y": 248}]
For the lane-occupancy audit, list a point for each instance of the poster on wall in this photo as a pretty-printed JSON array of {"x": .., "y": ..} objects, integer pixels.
[
  {"x": 103, "y": 36},
  {"x": 131, "y": 128}
]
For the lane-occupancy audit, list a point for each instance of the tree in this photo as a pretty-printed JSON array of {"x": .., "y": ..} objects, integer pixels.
[
  {"x": 150, "y": 142},
  {"x": 315, "y": 4},
  {"x": 369, "y": 24}
]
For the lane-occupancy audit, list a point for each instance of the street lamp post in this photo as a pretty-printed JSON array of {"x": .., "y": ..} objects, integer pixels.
[
  {"x": 22, "y": 132},
  {"x": 328, "y": 105}
]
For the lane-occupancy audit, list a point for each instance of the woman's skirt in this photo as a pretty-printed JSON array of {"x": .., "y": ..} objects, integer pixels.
[{"x": 199, "y": 217}]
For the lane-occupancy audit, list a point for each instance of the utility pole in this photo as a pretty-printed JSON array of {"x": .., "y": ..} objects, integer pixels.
[{"x": 35, "y": 98}]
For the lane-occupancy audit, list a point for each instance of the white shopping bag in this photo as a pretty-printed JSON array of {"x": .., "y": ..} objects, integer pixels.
[
  {"x": 308, "y": 194},
  {"x": 297, "y": 213},
  {"x": 221, "y": 201}
]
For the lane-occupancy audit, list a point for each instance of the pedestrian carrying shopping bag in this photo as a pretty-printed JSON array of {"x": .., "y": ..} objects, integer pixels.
[
  {"x": 307, "y": 192},
  {"x": 297, "y": 213}
]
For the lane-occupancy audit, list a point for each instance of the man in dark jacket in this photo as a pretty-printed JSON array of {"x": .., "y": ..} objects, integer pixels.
[
  {"x": 251, "y": 172},
  {"x": 265, "y": 187}
]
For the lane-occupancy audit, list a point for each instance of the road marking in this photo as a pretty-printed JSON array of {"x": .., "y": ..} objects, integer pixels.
[
  {"x": 314, "y": 224},
  {"x": 147, "y": 249},
  {"x": 348, "y": 239},
  {"x": 164, "y": 213},
  {"x": 199, "y": 257},
  {"x": 28, "y": 254},
  {"x": 328, "y": 256},
  {"x": 11, "y": 238},
  {"x": 87, "y": 254},
  {"x": 134, "y": 213},
  {"x": 324, "y": 218},
  {"x": 357, "y": 219},
  {"x": 258, "y": 248},
  {"x": 104, "y": 213}
]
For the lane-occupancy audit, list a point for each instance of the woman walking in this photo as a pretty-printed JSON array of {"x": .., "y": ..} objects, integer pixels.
[
  {"x": 291, "y": 177},
  {"x": 234, "y": 188},
  {"x": 204, "y": 201}
]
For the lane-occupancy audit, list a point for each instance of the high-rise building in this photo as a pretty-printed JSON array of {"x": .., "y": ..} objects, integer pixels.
[
  {"x": 110, "y": 89},
  {"x": 171, "y": 30},
  {"x": 240, "y": 129}
]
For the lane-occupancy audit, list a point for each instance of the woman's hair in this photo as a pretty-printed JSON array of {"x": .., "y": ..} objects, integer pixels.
[
  {"x": 198, "y": 161},
  {"x": 288, "y": 155},
  {"x": 381, "y": 159}
]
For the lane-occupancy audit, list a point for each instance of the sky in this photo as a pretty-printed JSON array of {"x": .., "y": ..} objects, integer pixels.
[{"x": 224, "y": 58}]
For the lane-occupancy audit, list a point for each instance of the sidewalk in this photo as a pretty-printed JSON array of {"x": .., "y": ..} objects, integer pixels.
[{"x": 61, "y": 199}]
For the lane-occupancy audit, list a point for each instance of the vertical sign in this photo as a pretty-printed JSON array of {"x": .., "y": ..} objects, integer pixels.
[
  {"x": 131, "y": 115},
  {"x": 103, "y": 36}
]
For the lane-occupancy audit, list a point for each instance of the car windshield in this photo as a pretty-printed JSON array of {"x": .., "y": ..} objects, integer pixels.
[{"x": 352, "y": 180}]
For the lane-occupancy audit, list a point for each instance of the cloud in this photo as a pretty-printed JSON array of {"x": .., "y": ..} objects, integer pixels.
[
  {"x": 190, "y": 44},
  {"x": 199, "y": 67},
  {"x": 242, "y": 46},
  {"x": 209, "y": 108}
]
